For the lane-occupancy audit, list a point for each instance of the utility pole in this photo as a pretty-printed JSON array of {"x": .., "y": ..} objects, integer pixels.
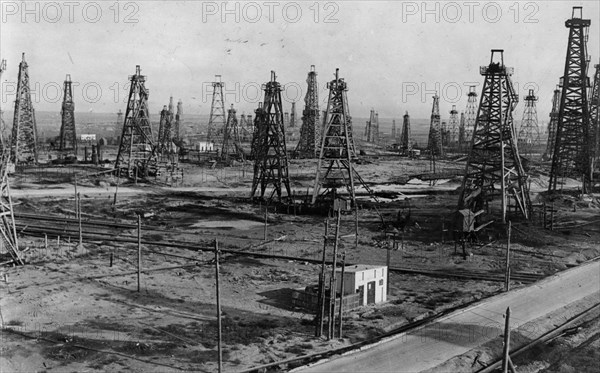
[
  {"x": 332, "y": 286},
  {"x": 139, "y": 238},
  {"x": 321, "y": 294},
  {"x": 507, "y": 267},
  {"x": 79, "y": 218},
  {"x": 340, "y": 311},
  {"x": 219, "y": 344}
]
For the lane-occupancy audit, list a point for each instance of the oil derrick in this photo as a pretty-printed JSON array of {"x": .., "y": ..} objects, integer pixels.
[
  {"x": 461, "y": 133},
  {"x": 165, "y": 129},
  {"x": 552, "y": 125},
  {"x": 434, "y": 145},
  {"x": 136, "y": 156},
  {"x": 256, "y": 131},
  {"x": 271, "y": 162},
  {"x": 372, "y": 128},
  {"x": 2, "y": 124},
  {"x": 494, "y": 166},
  {"x": 24, "y": 131},
  {"x": 216, "y": 123},
  {"x": 231, "y": 138},
  {"x": 453, "y": 127},
  {"x": 119, "y": 126},
  {"x": 68, "y": 137},
  {"x": 394, "y": 129},
  {"x": 177, "y": 125},
  {"x": 293, "y": 116},
  {"x": 571, "y": 156},
  {"x": 310, "y": 131},
  {"x": 470, "y": 115},
  {"x": 529, "y": 133},
  {"x": 594, "y": 119},
  {"x": 405, "y": 143},
  {"x": 8, "y": 231}
]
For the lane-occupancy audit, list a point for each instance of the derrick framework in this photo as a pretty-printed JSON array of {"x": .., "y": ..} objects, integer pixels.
[
  {"x": 494, "y": 167},
  {"x": 271, "y": 161},
  {"x": 24, "y": 131}
]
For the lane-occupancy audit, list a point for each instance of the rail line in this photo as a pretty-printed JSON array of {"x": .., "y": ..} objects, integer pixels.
[{"x": 64, "y": 231}]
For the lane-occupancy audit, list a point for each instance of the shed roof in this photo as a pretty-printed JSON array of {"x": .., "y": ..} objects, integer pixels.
[{"x": 359, "y": 268}]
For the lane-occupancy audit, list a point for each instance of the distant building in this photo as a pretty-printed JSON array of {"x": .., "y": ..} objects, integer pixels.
[
  {"x": 205, "y": 146},
  {"x": 367, "y": 280}
]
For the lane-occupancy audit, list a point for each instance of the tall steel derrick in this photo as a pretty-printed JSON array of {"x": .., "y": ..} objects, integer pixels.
[
  {"x": 178, "y": 120},
  {"x": 470, "y": 115},
  {"x": 462, "y": 144},
  {"x": 164, "y": 143},
  {"x": 216, "y": 123},
  {"x": 136, "y": 156},
  {"x": 271, "y": 161},
  {"x": 2, "y": 124},
  {"x": 552, "y": 125},
  {"x": 8, "y": 232},
  {"x": 24, "y": 131},
  {"x": 256, "y": 135},
  {"x": 119, "y": 126},
  {"x": 310, "y": 132},
  {"x": 231, "y": 138},
  {"x": 372, "y": 128},
  {"x": 405, "y": 144},
  {"x": 68, "y": 135},
  {"x": 453, "y": 127},
  {"x": 595, "y": 119},
  {"x": 493, "y": 166},
  {"x": 571, "y": 157},
  {"x": 434, "y": 144},
  {"x": 529, "y": 132},
  {"x": 293, "y": 116}
]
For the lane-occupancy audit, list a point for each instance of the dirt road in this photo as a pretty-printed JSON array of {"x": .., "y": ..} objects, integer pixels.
[{"x": 464, "y": 330}]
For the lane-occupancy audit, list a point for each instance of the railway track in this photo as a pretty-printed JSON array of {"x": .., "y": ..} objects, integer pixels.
[{"x": 96, "y": 230}]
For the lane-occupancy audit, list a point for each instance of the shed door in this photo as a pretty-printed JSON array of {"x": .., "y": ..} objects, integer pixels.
[
  {"x": 371, "y": 292},
  {"x": 361, "y": 291}
]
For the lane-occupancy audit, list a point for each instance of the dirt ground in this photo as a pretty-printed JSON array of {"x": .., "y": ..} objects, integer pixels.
[{"x": 69, "y": 310}]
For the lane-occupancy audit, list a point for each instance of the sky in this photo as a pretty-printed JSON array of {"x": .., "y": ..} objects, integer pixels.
[{"x": 393, "y": 55}]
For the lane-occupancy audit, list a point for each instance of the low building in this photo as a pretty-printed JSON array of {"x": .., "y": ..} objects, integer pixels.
[
  {"x": 369, "y": 281},
  {"x": 205, "y": 146}
]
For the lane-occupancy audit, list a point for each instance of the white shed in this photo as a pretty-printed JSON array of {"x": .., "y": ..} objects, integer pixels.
[{"x": 369, "y": 280}]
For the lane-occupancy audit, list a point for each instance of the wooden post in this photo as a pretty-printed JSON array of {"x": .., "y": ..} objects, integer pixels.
[
  {"x": 552, "y": 217},
  {"x": 111, "y": 259},
  {"x": 321, "y": 295},
  {"x": 79, "y": 218},
  {"x": 76, "y": 199},
  {"x": 58, "y": 242},
  {"x": 218, "y": 306},
  {"x": 139, "y": 237},
  {"x": 506, "y": 351},
  {"x": 117, "y": 187},
  {"x": 340, "y": 311},
  {"x": 266, "y": 222},
  {"x": 507, "y": 267},
  {"x": 46, "y": 242},
  {"x": 388, "y": 261},
  {"x": 332, "y": 288}
]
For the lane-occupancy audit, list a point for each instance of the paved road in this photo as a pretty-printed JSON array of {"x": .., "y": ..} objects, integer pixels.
[{"x": 464, "y": 330}]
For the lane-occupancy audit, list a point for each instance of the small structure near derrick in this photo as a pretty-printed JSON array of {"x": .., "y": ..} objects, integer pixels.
[{"x": 369, "y": 281}]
